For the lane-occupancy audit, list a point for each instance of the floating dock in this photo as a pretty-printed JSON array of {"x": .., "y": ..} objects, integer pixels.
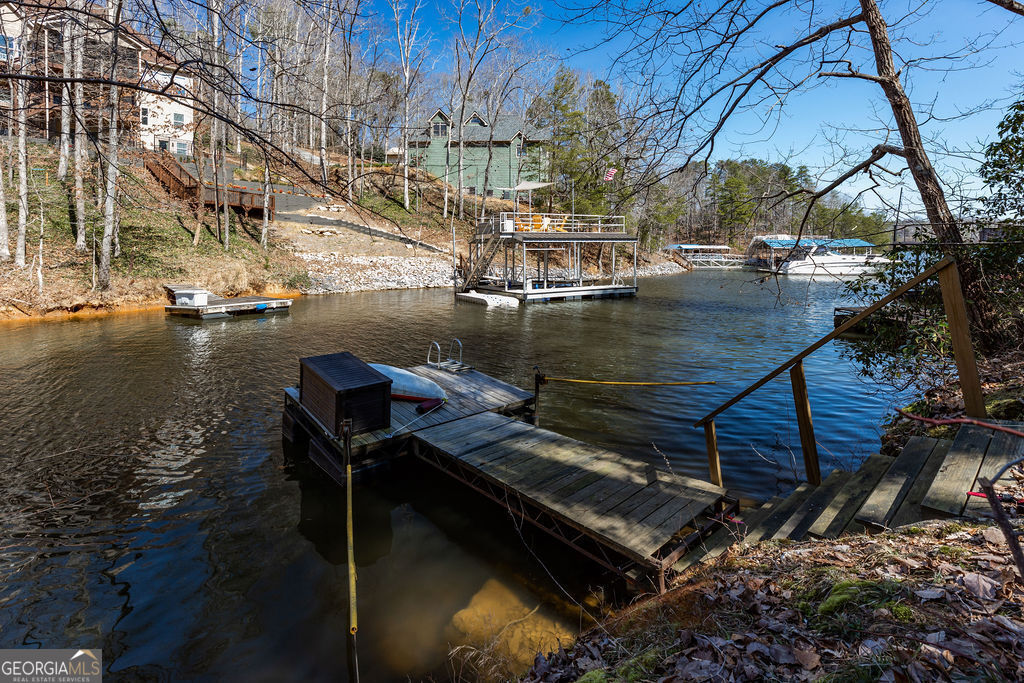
[
  {"x": 619, "y": 512},
  {"x": 219, "y": 307}
]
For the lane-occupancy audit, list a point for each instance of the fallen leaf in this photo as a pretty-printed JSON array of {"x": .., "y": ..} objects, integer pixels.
[
  {"x": 781, "y": 654},
  {"x": 980, "y": 585},
  {"x": 808, "y": 660},
  {"x": 993, "y": 535},
  {"x": 930, "y": 593}
]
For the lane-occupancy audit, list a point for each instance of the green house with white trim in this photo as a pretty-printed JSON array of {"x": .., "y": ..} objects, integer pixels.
[{"x": 517, "y": 152}]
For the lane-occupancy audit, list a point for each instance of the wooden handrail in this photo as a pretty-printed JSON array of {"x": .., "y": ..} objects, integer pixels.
[
  {"x": 892, "y": 296},
  {"x": 963, "y": 354}
]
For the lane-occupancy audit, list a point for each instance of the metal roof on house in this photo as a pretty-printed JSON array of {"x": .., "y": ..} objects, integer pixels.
[
  {"x": 839, "y": 243},
  {"x": 504, "y": 130}
]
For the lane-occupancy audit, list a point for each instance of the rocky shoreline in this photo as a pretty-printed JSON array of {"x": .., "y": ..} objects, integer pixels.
[{"x": 333, "y": 273}]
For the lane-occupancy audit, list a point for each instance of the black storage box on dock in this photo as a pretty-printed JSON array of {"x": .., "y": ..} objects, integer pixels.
[{"x": 339, "y": 386}]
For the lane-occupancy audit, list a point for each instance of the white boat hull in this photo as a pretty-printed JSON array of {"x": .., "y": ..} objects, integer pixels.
[{"x": 833, "y": 265}]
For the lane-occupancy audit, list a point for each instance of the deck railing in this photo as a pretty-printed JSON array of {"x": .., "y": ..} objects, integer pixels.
[
  {"x": 963, "y": 354},
  {"x": 509, "y": 222}
]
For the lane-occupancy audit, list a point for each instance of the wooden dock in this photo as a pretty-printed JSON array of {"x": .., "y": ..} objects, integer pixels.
[
  {"x": 219, "y": 307},
  {"x": 620, "y": 512}
]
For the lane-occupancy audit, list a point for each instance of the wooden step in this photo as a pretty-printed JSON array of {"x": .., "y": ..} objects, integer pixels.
[
  {"x": 724, "y": 538},
  {"x": 795, "y": 528},
  {"x": 1002, "y": 449},
  {"x": 835, "y": 518},
  {"x": 948, "y": 492},
  {"x": 767, "y": 527},
  {"x": 910, "y": 511},
  {"x": 881, "y": 505}
]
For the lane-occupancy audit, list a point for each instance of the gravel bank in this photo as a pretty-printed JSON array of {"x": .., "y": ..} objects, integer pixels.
[{"x": 333, "y": 272}]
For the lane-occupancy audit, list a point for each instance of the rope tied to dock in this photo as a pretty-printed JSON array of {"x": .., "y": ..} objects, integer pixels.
[{"x": 544, "y": 379}]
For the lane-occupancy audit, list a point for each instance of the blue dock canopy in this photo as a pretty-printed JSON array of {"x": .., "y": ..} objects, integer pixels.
[{"x": 843, "y": 243}]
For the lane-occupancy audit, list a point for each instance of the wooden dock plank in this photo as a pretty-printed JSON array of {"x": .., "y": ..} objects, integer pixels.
[
  {"x": 592, "y": 489},
  {"x": 844, "y": 505},
  {"x": 804, "y": 516},
  {"x": 948, "y": 492},
  {"x": 725, "y": 537},
  {"x": 881, "y": 505},
  {"x": 910, "y": 511},
  {"x": 767, "y": 527},
  {"x": 1002, "y": 449}
]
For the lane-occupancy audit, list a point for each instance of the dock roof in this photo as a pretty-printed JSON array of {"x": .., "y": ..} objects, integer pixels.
[{"x": 838, "y": 243}]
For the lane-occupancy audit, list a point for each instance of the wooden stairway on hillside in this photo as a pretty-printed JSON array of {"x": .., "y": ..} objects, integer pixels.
[{"x": 929, "y": 479}]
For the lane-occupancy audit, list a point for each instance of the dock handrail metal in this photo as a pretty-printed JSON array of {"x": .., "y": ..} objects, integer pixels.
[
  {"x": 509, "y": 222},
  {"x": 963, "y": 354}
]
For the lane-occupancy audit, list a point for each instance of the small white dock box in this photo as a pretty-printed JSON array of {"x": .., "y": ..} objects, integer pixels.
[{"x": 191, "y": 297}]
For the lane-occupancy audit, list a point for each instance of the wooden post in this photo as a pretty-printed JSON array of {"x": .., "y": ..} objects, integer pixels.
[
  {"x": 538, "y": 380},
  {"x": 714, "y": 464},
  {"x": 960, "y": 333},
  {"x": 803, "y": 419}
]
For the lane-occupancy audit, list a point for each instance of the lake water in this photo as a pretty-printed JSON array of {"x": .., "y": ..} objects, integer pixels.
[{"x": 148, "y": 508}]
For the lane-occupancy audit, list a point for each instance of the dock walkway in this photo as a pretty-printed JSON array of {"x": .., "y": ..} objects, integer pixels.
[
  {"x": 620, "y": 512},
  {"x": 929, "y": 479},
  {"x": 588, "y": 496}
]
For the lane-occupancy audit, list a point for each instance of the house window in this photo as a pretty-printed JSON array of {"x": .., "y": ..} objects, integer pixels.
[
  {"x": 162, "y": 145},
  {"x": 8, "y": 48},
  {"x": 521, "y": 151},
  {"x": 506, "y": 195},
  {"x": 490, "y": 193},
  {"x": 181, "y": 148},
  {"x": 440, "y": 130},
  {"x": 179, "y": 120},
  {"x": 471, "y": 190},
  {"x": 476, "y": 121},
  {"x": 57, "y": 100},
  {"x": 144, "y": 116}
]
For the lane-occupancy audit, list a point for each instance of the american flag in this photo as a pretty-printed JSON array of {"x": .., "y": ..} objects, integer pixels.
[{"x": 610, "y": 174}]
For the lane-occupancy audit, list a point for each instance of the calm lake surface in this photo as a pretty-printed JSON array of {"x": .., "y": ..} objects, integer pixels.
[{"x": 148, "y": 507}]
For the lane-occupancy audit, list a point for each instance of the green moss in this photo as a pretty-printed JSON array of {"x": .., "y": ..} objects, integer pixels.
[
  {"x": 594, "y": 676},
  {"x": 914, "y": 530},
  {"x": 859, "y": 593},
  {"x": 639, "y": 667},
  {"x": 901, "y": 613},
  {"x": 950, "y": 551}
]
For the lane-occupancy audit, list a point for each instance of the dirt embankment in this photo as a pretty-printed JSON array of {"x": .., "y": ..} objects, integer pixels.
[{"x": 935, "y": 601}]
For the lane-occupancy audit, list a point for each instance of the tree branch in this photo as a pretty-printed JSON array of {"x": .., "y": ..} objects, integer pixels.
[{"x": 1012, "y": 5}]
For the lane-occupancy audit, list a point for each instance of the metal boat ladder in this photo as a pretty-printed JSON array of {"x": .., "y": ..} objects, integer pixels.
[{"x": 451, "y": 364}]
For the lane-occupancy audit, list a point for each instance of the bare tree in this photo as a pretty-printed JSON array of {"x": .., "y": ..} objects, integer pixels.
[
  {"x": 65, "y": 102},
  {"x": 113, "y": 171},
  {"x": 412, "y": 52},
  {"x": 5, "y": 248},
  {"x": 704, "y": 65}
]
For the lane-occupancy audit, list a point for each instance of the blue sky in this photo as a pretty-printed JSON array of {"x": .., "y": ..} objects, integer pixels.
[{"x": 802, "y": 130}]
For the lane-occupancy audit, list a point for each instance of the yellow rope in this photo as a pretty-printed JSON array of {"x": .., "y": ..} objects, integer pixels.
[{"x": 630, "y": 384}]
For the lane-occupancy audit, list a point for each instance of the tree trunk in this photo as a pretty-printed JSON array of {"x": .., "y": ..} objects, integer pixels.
[
  {"x": 110, "y": 205},
  {"x": 925, "y": 177},
  {"x": 5, "y": 248},
  {"x": 19, "y": 247},
  {"x": 80, "y": 140},
  {"x": 65, "y": 106},
  {"x": 405, "y": 150},
  {"x": 266, "y": 203},
  {"x": 323, "y": 100}
]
